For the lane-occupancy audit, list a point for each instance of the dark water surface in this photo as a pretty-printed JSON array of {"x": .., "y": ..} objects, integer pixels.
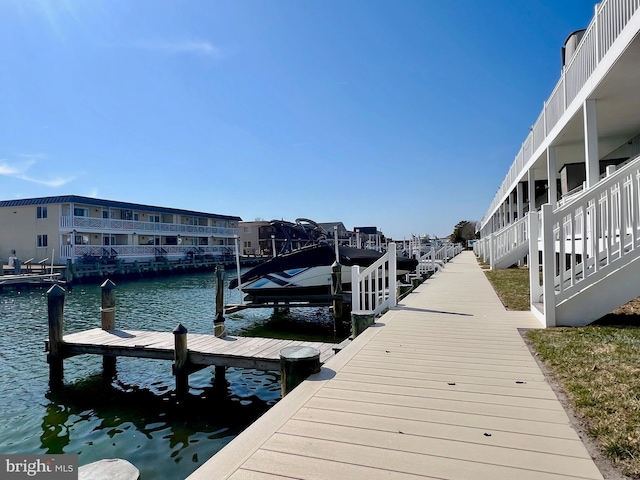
[{"x": 136, "y": 416}]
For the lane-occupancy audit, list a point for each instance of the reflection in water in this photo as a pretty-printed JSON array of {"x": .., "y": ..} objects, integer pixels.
[{"x": 55, "y": 431}]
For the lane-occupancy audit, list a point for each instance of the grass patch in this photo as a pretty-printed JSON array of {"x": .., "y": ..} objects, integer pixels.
[
  {"x": 598, "y": 368},
  {"x": 512, "y": 286}
]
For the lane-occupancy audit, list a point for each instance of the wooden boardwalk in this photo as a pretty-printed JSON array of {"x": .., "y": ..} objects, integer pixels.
[
  {"x": 441, "y": 387},
  {"x": 230, "y": 351}
]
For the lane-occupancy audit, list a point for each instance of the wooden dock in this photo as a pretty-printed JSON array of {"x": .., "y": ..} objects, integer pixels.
[
  {"x": 203, "y": 349},
  {"x": 189, "y": 352},
  {"x": 34, "y": 279},
  {"x": 443, "y": 386}
]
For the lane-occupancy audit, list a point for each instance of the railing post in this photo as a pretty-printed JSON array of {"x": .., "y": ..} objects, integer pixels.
[
  {"x": 355, "y": 287},
  {"x": 492, "y": 251},
  {"x": 548, "y": 265},
  {"x": 393, "y": 289},
  {"x": 55, "y": 311},
  {"x": 535, "y": 292}
]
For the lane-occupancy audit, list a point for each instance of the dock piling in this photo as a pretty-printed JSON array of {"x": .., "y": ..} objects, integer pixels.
[
  {"x": 108, "y": 321},
  {"x": 180, "y": 359},
  {"x": 219, "y": 329},
  {"x": 296, "y": 364},
  {"x": 360, "y": 321},
  {"x": 336, "y": 293},
  {"x": 55, "y": 357}
]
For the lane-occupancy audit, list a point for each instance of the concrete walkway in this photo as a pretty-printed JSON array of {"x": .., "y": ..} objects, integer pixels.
[{"x": 441, "y": 387}]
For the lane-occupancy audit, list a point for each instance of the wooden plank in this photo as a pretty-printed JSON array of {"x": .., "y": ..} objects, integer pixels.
[
  {"x": 449, "y": 385},
  {"x": 457, "y": 375},
  {"x": 447, "y": 405},
  {"x": 476, "y": 449}
]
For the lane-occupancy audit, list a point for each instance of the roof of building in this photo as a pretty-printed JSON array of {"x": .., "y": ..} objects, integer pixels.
[{"x": 109, "y": 203}]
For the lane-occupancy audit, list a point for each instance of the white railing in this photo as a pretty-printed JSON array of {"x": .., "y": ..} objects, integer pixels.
[
  {"x": 609, "y": 21},
  {"x": 108, "y": 225},
  {"x": 374, "y": 289},
  {"x": 124, "y": 251},
  {"x": 427, "y": 263},
  {"x": 509, "y": 239},
  {"x": 591, "y": 236}
]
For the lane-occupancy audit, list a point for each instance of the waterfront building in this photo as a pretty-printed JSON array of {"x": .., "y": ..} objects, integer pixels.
[
  {"x": 75, "y": 228},
  {"x": 251, "y": 242},
  {"x": 570, "y": 201}
]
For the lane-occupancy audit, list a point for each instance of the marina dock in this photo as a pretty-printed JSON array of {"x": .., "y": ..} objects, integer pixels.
[
  {"x": 203, "y": 349},
  {"x": 442, "y": 386}
]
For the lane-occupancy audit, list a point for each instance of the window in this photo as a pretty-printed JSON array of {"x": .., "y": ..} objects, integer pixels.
[
  {"x": 247, "y": 230},
  {"x": 41, "y": 212},
  {"x": 80, "y": 212},
  {"x": 154, "y": 218},
  {"x": 247, "y": 244},
  {"x": 42, "y": 241},
  {"x": 109, "y": 240},
  {"x": 105, "y": 214},
  {"x": 81, "y": 240}
]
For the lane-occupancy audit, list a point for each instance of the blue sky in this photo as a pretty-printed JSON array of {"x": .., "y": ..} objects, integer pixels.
[{"x": 396, "y": 113}]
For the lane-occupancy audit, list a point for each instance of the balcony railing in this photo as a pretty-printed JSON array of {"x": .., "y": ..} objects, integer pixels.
[
  {"x": 79, "y": 251},
  {"x": 151, "y": 228},
  {"x": 609, "y": 21}
]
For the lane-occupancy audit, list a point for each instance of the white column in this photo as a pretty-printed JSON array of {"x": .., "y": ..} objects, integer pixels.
[
  {"x": 531, "y": 178},
  {"x": 552, "y": 192},
  {"x": 519, "y": 203},
  {"x": 592, "y": 164}
]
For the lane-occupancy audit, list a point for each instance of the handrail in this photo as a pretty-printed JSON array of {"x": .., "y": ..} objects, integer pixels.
[
  {"x": 375, "y": 289},
  {"x": 594, "y": 232}
]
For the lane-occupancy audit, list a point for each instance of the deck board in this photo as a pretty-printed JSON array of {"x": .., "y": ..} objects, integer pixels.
[
  {"x": 383, "y": 406},
  {"x": 210, "y": 350}
]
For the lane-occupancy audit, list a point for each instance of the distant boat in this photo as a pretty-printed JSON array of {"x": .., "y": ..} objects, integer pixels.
[{"x": 304, "y": 275}]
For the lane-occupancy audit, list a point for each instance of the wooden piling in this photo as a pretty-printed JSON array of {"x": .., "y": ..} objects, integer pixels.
[
  {"x": 296, "y": 364},
  {"x": 108, "y": 322},
  {"x": 180, "y": 354},
  {"x": 219, "y": 329},
  {"x": 108, "y": 306},
  {"x": 360, "y": 321},
  {"x": 336, "y": 292},
  {"x": 55, "y": 357}
]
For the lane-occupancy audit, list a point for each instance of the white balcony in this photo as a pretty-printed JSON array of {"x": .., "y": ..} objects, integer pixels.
[
  {"x": 107, "y": 225},
  {"x": 603, "y": 67}
]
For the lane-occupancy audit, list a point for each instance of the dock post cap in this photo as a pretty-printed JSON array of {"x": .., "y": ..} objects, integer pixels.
[
  {"x": 180, "y": 329},
  {"x": 296, "y": 364},
  {"x": 109, "y": 469},
  {"x": 55, "y": 291},
  {"x": 335, "y": 265},
  {"x": 108, "y": 284},
  {"x": 299, "y": 353}
]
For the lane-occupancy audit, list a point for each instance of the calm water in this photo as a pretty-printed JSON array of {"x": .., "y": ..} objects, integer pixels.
[{"x": 136, "y": 416}]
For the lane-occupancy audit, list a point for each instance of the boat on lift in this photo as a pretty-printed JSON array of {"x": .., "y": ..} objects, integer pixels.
[{"x": 304, "y": 274}]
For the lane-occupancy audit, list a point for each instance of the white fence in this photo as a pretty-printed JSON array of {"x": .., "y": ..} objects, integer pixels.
[
  {"x": 375, "y": 288},
  {"x": 587, "y": 239}
]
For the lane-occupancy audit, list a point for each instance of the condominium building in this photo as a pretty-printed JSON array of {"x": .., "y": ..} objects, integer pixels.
[{"x": 76, "y": 228}]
